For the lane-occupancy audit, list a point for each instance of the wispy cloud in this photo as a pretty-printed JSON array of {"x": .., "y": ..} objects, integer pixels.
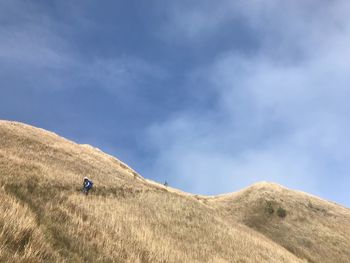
[
  {"x": 281, "y": 113},
  {"x": 33, "y": 45}
]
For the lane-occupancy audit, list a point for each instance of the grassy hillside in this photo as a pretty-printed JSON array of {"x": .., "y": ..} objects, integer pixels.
[
  {"x": 44, "y": 217},
  {"x": 309, "y": 227}
]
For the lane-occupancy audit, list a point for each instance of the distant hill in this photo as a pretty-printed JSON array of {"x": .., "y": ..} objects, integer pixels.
[{"x": 45, "y": 218}]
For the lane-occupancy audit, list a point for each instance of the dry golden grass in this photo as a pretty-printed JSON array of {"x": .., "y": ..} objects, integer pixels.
[
  {"x": 44, "y": 217},
  {"x": 314, "y": 229},
  {"x": 20, "y": 236}
]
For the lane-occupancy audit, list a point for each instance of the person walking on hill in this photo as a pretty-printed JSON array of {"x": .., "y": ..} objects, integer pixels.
[{"x": 87, "y": 185}]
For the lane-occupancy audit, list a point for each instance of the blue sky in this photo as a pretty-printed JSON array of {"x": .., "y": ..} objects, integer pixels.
[{"x": 209, "y": 96}]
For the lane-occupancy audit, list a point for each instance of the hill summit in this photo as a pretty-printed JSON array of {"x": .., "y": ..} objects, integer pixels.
[{"x": 44, "y": 217}]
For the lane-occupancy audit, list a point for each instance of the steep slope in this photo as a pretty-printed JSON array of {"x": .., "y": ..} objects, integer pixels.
[
  {"x": 309, "y": 227},
  {"x": 45, "y": 218}
]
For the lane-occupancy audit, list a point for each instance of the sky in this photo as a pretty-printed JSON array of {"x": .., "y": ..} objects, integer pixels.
[{"x": 210, "y": 96}]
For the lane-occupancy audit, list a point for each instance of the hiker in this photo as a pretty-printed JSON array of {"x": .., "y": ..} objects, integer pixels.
[{"x": 87, "y": 185}]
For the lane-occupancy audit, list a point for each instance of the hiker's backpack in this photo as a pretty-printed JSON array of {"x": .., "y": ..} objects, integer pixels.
[{"x": 89, "y": 184}]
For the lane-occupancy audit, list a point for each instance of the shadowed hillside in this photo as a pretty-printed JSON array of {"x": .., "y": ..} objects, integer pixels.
[{"x": 44, "y": 217}]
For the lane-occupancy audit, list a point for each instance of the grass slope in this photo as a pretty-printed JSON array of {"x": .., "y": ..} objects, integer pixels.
[
  {"x": 314, "y": 229},
  {"x": 44, "y": 217}
]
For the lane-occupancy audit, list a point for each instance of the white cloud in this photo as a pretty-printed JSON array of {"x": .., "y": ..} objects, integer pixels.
[{"x": 285, "y": 107}]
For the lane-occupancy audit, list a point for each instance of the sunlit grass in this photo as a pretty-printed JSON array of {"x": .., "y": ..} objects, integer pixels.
[{"x": 45, "y": 218}]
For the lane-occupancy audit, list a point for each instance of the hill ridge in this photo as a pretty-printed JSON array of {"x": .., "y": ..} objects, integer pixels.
[{"x": 128, "y": 218}]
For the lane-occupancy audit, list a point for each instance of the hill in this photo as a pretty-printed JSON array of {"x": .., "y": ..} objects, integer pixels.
[{"x": 45, "y": 218}]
